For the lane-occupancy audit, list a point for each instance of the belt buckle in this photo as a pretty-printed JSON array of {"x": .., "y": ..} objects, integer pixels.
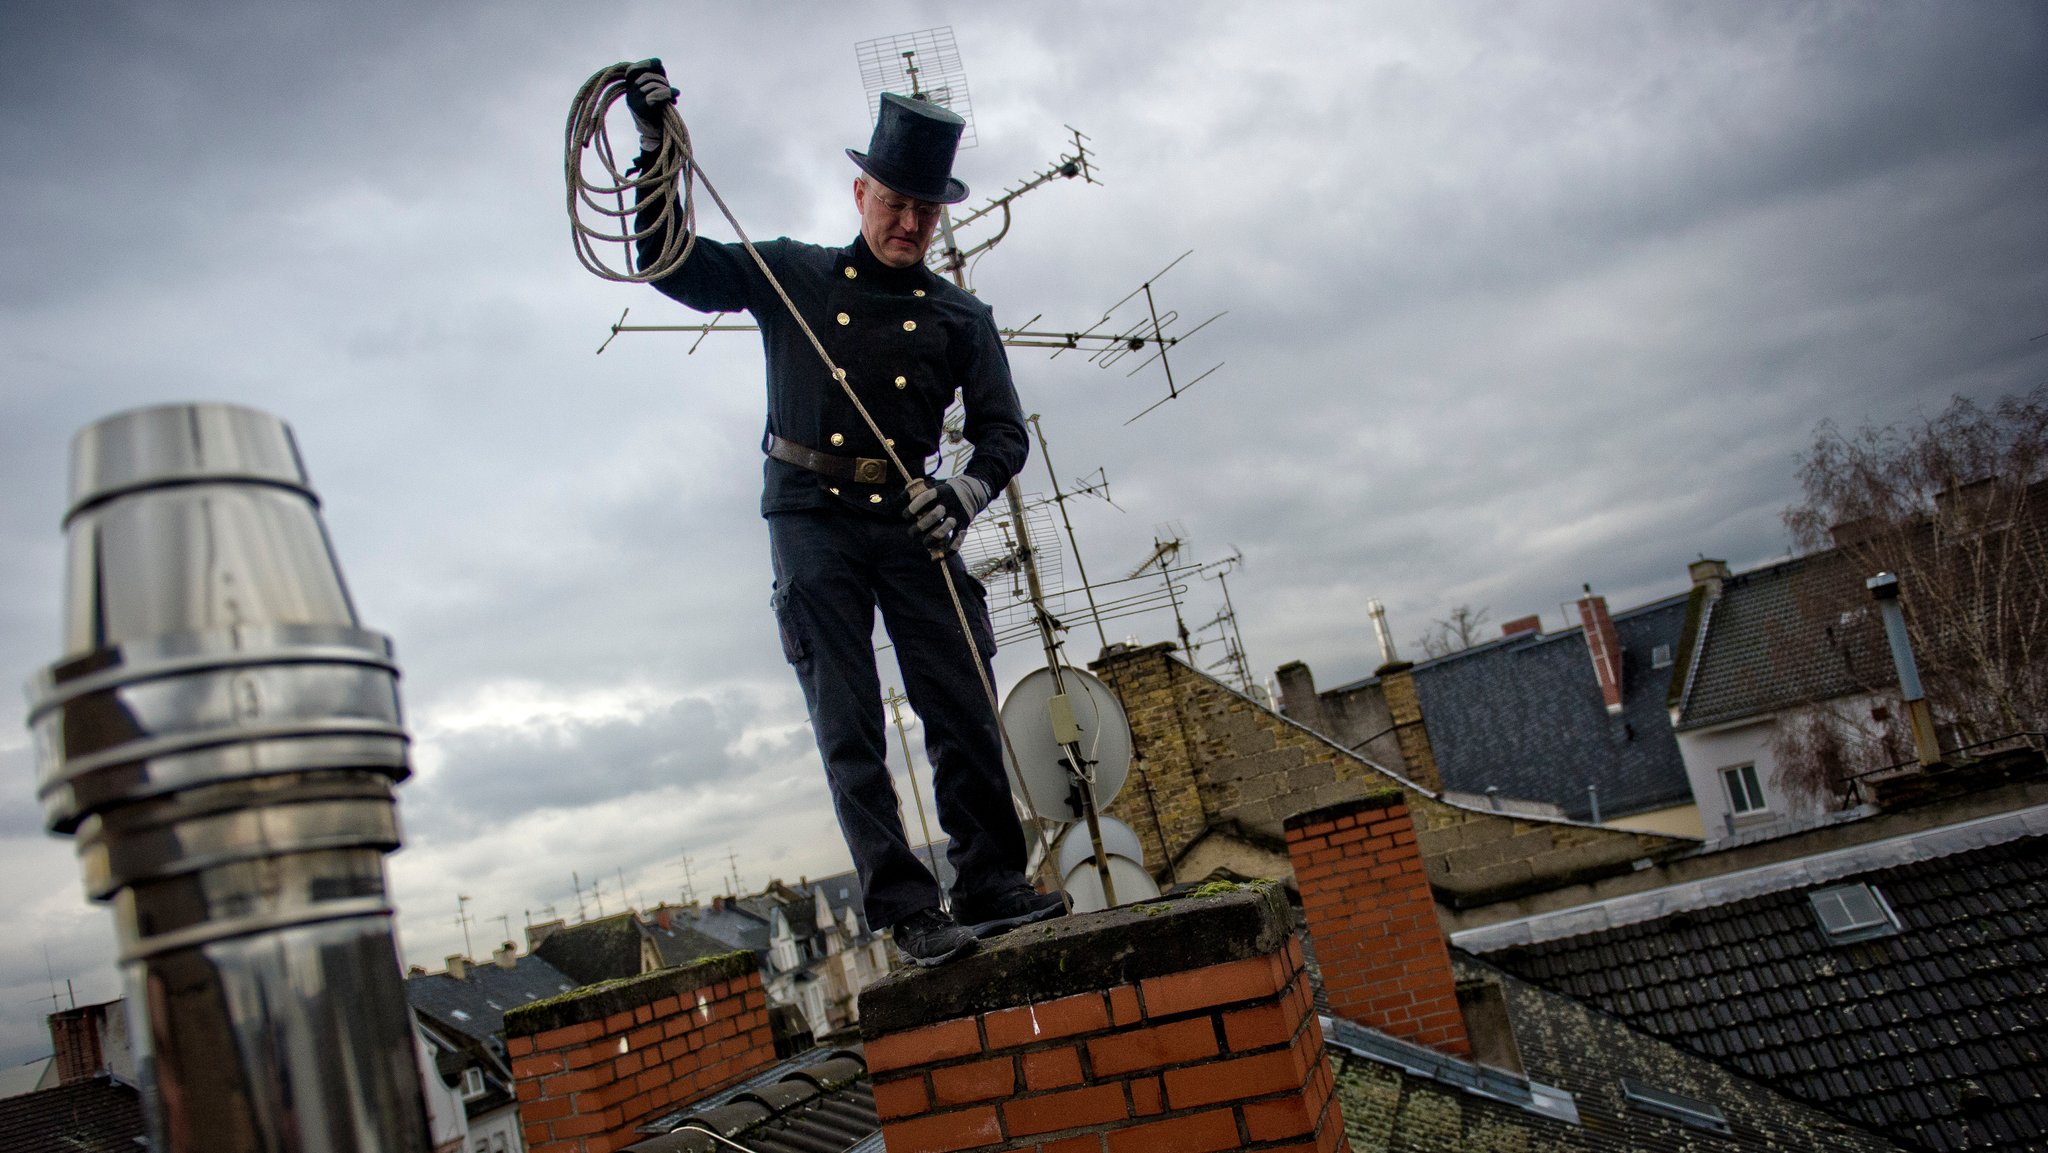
[{"x": 868, "y": 470}]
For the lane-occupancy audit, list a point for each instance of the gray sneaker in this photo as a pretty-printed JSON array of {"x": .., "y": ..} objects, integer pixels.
[
  {"x": 1008, "y": 909},
  {"x": 929, "y": 937}
]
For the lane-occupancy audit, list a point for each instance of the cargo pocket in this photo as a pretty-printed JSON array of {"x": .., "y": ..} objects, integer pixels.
[
  {"x": 974, "y": 598},
  {"x": 795, "y": 648}
]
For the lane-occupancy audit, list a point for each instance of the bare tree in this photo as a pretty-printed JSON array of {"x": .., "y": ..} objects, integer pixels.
[
  {"x": 1956, "y": 505},
  {"x": 1456, "y": 633}
]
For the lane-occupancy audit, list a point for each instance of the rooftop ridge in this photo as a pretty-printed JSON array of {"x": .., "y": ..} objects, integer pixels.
[{"x": 1710, "y": 892}]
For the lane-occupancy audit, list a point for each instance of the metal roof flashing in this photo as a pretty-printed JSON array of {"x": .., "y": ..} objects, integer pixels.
[{"x": 1464, "y": 1076}]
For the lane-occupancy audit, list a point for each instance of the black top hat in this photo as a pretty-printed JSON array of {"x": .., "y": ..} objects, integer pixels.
[{"x": 912, "y": 150}]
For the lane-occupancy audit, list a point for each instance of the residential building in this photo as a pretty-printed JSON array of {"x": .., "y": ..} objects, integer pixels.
[
  {"x": 1883, "y": 968},
  {"x": 1569, "y": 724},
  {"x": 462, "y": 1010}
]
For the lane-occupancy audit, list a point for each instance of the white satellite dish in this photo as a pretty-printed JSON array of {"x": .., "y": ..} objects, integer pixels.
[
  {"x": 1105, "y": 740},
  {"x": 1118, "y": 840},
  {"x": 1084, "y": 884}
]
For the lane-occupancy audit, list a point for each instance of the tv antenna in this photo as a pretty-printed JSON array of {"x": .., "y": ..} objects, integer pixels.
[
  {"x": 1166, "y": 546},
  {"x": 1225, "y": 623},
  {"x": 1108, "y": 345},
  {"x": 463, "y": 918}
]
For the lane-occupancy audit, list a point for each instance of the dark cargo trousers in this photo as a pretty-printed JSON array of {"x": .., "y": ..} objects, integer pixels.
[{"x": 832, "y": 570}]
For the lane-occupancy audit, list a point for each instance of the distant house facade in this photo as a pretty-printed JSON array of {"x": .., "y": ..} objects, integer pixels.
[
  {"x": 1569, "y": 725},
  {"x": 812, "y": 945},
  {"x": 462, "y": 1013},
  {"x": 1764, "y": 648}
]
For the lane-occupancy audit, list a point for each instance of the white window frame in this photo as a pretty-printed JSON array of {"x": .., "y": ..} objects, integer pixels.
[
  {"x": 472, "y": 1083},
  {"x": 1737, "y": 780}
]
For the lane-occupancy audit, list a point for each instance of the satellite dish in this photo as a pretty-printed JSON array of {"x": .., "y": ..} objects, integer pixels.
[
  {"x": 1105, "y": 740},
  {"x": 1133, "y": 883},
  {"x": 1118, "y": 840}
]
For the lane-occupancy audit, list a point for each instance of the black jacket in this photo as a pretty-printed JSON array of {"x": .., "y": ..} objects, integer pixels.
[{"x": 907, "y": 339}]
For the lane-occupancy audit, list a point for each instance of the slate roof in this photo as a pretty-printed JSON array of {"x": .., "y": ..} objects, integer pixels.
[
  {"x": 817, "y": 1102},
  {"x": 679, "y": 944},
  {"x": 1399, "y": 1097},
  {"x": 1524, "y": 713},
  {"x": 476, "y": 1004},
  {"x": 101, "y": 1115},
  {"x": 1934, "y": 1034},
  {"x": 734, "y": 927},
  {"x": 601, "y": 949},
  {"x": 1787, "y": 634}
]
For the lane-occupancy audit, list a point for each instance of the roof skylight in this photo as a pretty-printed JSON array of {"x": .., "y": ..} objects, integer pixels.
[{"x": 1853, "y": 912}]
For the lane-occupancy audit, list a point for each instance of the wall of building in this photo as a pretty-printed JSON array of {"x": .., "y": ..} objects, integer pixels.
[
  {"x": 1677, "y": 821},
  {"x": 1210, "y": 758}
]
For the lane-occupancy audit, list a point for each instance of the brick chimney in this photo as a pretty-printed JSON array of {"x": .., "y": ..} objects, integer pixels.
[
  {"x": 1528, "y": 624},
  {"x": 663, "y": 919},
  {"x": 75, "y": 1037},
  {"x": 1369, "y": 909},
  {"x": 1184, "y": 1025},
  {"x": 1604, "y": 645},
  {"x": 593, "y": 1064}
]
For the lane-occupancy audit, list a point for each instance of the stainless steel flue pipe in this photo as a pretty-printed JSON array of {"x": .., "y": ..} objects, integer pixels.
[{"x": 222, "y": 737}]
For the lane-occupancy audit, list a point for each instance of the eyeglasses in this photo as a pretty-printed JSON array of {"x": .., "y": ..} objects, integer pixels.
[{"x": 925, "y": 213}]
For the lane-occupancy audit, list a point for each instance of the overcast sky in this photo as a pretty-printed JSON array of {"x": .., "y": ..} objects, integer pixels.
[{"x": 1520, "y": 297}]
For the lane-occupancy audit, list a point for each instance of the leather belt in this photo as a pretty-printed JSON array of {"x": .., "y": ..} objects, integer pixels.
[{"x": 857, "y": 469}]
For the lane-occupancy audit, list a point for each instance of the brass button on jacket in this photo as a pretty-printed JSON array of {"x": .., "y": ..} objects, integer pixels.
[
  {"x": 845, "y": 319},
  {"x": 837, "y": 440}
]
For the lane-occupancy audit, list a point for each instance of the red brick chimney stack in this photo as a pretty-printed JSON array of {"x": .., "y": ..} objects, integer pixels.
[
  {"x": 593, "y": 1064},
  {"x": 1181, "y": 1026},
  {"x": 1370, "y": 912},
  {"x": 1604, "y": 644},
  {"x": 1528, "y": 624},
  {"x": 75, "y": 1037}
]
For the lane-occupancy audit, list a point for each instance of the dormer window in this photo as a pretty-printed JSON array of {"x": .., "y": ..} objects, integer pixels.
[{"x": 472, "y": 1083}]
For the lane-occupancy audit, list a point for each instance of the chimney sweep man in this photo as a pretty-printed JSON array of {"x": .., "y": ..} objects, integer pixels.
[{"x": 840, "y": 546}]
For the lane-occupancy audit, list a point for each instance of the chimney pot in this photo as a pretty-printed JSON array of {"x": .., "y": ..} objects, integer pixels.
[{"x": 1709, "y": 573}]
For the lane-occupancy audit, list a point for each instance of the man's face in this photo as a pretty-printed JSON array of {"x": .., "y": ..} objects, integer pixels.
[{"x": 897, "y": 228}]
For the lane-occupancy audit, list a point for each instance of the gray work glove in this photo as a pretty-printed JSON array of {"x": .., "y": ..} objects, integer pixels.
[
  {"x": 648, "y": 98},
  {"x": 938, "y": 516}
]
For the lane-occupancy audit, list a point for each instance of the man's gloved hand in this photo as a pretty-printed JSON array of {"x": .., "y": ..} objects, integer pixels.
[
  {"x": 648, "y": 98},
  {"x": 938, "y": 516}
]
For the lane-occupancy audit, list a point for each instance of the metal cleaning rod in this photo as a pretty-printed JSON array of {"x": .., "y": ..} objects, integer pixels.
[{"x": 222, "y": 737}]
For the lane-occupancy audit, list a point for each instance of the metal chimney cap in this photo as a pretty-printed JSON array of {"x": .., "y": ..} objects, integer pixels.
[
  {"x": 1884, "y": 586},
  {"x": 175, "y": 443}
]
